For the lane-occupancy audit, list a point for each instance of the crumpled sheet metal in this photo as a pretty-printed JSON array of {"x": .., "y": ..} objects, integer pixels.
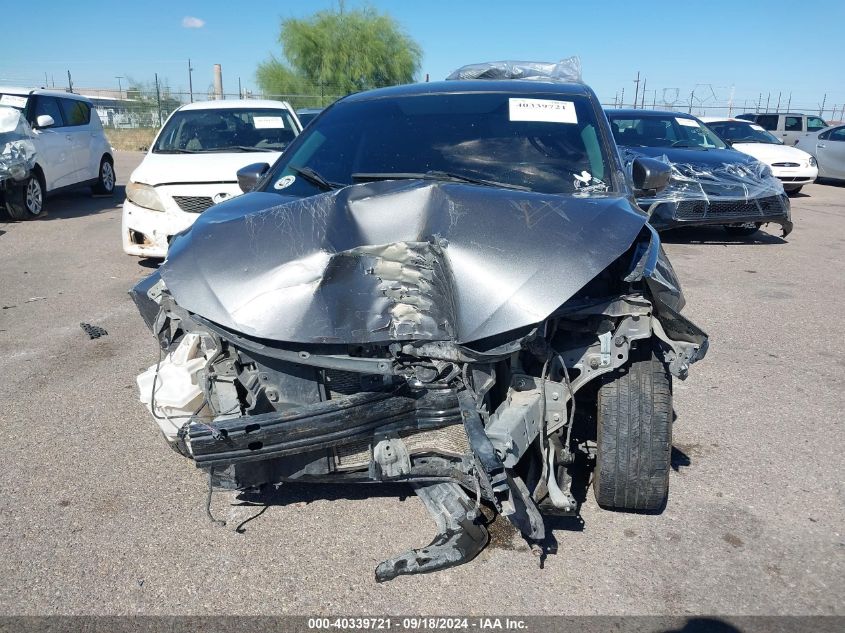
[
  {"x": 741, "y": 180},
  {"x": 566, "y": 70},
  {"x": 394, "y": 260},
  {"x": 17, "y": 150}
]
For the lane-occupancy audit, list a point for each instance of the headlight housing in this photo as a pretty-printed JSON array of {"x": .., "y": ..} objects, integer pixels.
[
  {"x": 144, "y": 196},
  {"x": 813, "y": 162}
]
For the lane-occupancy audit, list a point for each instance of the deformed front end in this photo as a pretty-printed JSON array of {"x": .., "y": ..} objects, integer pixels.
[{"x": 379, "y": 365}]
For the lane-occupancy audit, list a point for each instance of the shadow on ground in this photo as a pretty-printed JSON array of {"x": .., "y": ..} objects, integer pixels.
[
  {"x": 79, "y": 203},
  {"x": 717, "y": 235}
]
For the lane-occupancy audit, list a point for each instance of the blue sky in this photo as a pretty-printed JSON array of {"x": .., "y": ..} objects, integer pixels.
[{"x": 748, "y": 46}]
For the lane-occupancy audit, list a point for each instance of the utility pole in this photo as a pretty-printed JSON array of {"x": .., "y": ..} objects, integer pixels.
[
  {"x": 642, "y": 101},
  {"x": 821, "y": 109},
  {"x": 637, "y": 90},
  {"x": 691, "y": 97},
  {"x": 731, "y": 101},
  {"x": 240, "y": 92},
  {"x": 69, "y": 82},
  {"x": 654, "y": 101},
  {"x": 119, "y": 86},
  {"x": 622, "y": 99},
  {"x": 777, "y": 107},
  {"x": 158, "y": 101},
  {"x": 190, "y": 80}
]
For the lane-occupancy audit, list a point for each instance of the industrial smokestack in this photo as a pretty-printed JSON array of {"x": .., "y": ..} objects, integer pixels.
[{"x": 218, "y": 81}]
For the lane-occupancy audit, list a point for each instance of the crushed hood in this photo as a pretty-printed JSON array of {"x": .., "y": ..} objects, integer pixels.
[
  {"x": 394, "y": 260},
  {"x": 162, "y": 169}
]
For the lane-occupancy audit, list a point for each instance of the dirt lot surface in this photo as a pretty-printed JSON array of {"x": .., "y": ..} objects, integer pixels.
[{"x": 97, "y": 515}]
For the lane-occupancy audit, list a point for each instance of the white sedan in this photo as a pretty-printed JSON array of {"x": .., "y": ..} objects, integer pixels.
[
  {"x": 193, "y": 163},
  {"x": 828, "y": 148},
  {"x": 794, "y": 167}
]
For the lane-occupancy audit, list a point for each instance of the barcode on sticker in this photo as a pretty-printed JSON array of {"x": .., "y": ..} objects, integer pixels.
[
  {"x": 687, "y": 122},
  {"x": 543, "y": 110},
  {"x": 267, "y": 122}
]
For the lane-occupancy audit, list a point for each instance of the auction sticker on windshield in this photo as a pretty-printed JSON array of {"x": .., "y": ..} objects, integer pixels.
[
  {"x": 543, "y": 110},
  {"x": 687, "y": 122},
  {"x": 13, "y": 100},
  {"x": 267, "y": 122}
]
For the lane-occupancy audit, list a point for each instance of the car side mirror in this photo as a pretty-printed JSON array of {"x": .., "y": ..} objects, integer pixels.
[
  {"x": 44, "y": 121},
  {"x": 649, "y": 176},
  {"x": 249, "y": 176}
]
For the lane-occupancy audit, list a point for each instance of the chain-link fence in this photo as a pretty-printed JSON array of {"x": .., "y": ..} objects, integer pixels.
[{"x": 134, "y": 109}]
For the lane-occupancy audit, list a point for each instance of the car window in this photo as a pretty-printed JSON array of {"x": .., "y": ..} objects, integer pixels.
[
  {"x": 742, "y": 132},
  {"x": 768, "y": 121},
  {"x": 793, "y": 124},
  {"x": 49, "y": 106},
  {"x": 814, "y": 124},
  {"x": 226, "y": 130},
  {"x": 75, "y": 112},
  {"x": 662, "y": 131},
  {"x": 838, "y": 134},
  {"x": 547, "y": 143}
]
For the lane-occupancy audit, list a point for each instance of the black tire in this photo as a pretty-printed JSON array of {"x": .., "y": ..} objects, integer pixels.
[
  {"x": 744, "y": 230},
  {"x": 26, "y": 202},
  {"x": 793, "y": 192},
  {"x": 634, "y": 434},
  {"x": 106, "y": 178}
]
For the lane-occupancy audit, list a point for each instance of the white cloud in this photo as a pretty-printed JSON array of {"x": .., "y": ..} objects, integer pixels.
[{"x": 190, "y": 22}]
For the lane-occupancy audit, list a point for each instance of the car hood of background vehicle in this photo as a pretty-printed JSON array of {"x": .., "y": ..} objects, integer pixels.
[
  {"x": 163, "y": 169},
  {"x": 773, "y": 152},
  {"x": 705, "y": 158},
  {"x": 394, "y": 260}
]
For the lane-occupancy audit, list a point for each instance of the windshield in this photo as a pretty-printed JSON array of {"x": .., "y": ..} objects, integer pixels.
[
  {"x": 662, "y": 131},
  {"x": 18, "y": 102},
  {"x": 226, "y": 130},
  {"x": 549, "y": 145},
  {"x": 742, "y": 132}
]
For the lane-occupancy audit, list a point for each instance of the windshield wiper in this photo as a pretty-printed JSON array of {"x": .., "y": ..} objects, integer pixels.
[
  {"x": 239, "y": 148},
  {"x": 314, "y": 177},
  {"x": 176, "y": 150},
  {"x": 435, "y": 175}
]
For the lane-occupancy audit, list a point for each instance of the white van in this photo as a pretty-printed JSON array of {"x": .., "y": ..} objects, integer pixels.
[{"x": 71, "y": 147}]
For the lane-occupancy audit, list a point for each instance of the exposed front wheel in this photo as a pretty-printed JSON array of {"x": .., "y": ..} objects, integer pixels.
[
  {"x": 106, "y": 179},
  {"x": 26, "y": 201},
  {"x": 634, "y": 434},
  {"x": 748, "y": 228}
]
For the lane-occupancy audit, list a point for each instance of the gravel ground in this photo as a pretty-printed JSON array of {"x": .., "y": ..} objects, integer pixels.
[{"x": 98, "y": 516}]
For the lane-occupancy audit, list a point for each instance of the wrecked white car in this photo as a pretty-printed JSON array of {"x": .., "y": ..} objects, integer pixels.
[
  {"x": 426, "y": 288},
  {"x": 17, "y": 158}
]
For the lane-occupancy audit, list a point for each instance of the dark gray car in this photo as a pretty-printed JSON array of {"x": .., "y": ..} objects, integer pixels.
[
  {"x": 444, "y": 284},
  {"x": 711, "y": 183}
]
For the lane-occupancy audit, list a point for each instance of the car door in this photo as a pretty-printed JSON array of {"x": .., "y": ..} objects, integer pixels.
[
  {"x": 830, "y": 153},
  {"x": 77, "y": 116},
  {"x": 53, "y": 146},
  {"x": 793, "y": 128}
]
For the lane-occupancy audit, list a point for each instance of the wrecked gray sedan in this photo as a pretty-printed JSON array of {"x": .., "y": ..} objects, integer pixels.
[{"x": 433, "y": 285}]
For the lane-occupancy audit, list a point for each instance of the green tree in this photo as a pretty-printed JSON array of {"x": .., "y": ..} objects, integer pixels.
[{"x": 338, "y": 52}]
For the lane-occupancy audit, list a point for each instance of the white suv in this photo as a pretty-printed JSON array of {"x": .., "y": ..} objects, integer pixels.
[
  {"x": 193, "y": 165},
  {"x": 71, "y": 147}
]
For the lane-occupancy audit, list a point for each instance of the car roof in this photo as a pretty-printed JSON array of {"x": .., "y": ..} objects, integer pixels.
[
  {"x": 508, "y": 86},
  {"x": 229, "y": 104},
  {"x": 635, "y": 112},
  {"x": 777, "y": 114},
  {"x": 17, "y": 90}
]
